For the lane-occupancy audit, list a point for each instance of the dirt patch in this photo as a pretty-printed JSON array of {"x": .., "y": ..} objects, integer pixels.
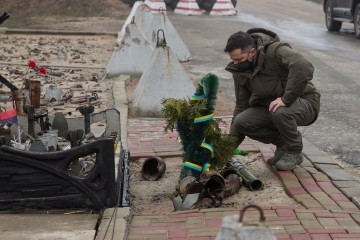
[
  {"x": 153, "y": 197},
  {"x": 85, "y": 15},
  {"x": 66, "y": 55}
]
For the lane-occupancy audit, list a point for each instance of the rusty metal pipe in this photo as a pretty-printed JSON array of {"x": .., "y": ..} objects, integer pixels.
[{"x": 153, "y": 168}]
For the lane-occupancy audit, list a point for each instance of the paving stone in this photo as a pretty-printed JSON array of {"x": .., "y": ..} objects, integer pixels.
[
  {"x": 328, "y": 231},
  {"x": 351, "y": 192},
  {"x": 213, "y": 223},
  {"x": 277, "y": 229},
  {"x": 167, "y": 220},
  {"x": 333, "y": 207},
  {"x": 328, "y": 222},
  {"x": 208, "y": 232},
  {"x": 321, "y": 159},
  {"x": 353, "y": 229},
  {"x": 311, "y": 151},
  {"x": 320, "y": 177},
  {"x": 139, "y": 222},
  {"x": 153, "y": 232},
  {"x": 312, "y": 188},
  {"x": 307, "y": 163},
  {"x": 347, "y": 222},
  {"x": 321, "y": 236},
  {"x": 177, "y": 233},
  {"x": 291, "y": 229},
  {"x": 300, "y": 236},
  {"x": 282, "y": 236},
  {"x": 284, "y": 222},
  {"x": 328, "y": 188},
  {"x": 285, "y": 213},
  {"x": 345, "y": 236},
  {"x": 292, "y": 184},
  {"x": 356, "y": 201},
  {"x": 144, "y": 237},
  {"x": 303, "y": 175},
  {"x": 199, "y": 221},
  {"x": 339, "y": 197},
  {"x": 332, "y": 215},
  {"x": 343, "y": 184},
  {"x": 356, "y": 217},
  {"x": 280, "y": 218},
  {"x": 334, "y": 173},
  {"x": 292, "y": 191},
  {"x": 293, "y": 208},
  {"x": 305, "y": 216},
  {"x": 346, "y": 205},
  {"x": 311, "y": 170}
]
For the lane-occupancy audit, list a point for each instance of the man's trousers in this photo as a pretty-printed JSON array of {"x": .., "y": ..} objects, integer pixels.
[{"x": 278, "y": 128}]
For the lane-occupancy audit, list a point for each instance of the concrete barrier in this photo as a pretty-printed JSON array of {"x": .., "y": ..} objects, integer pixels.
[
  {"x": 173, "y": 39},
  {"x": 133, "y": 54},
  {"x": 143, "y": 17},
  {"x": 156, "y": 5},
  {"x": 224, "y": 8},
  {"x": 164, "y": 77},
  {"x": 187, "y": 7}
]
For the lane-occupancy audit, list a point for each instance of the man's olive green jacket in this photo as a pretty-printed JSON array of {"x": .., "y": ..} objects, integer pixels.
[{"x": 279, "y": 71}]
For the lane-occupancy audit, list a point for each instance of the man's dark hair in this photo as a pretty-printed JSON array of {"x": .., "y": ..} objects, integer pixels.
[{"x": 240, "y": 40}]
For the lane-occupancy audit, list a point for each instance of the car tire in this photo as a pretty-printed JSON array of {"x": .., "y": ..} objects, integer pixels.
[
  {"x": 331, "y": 24},
  {"x": 357, "y": 21}
]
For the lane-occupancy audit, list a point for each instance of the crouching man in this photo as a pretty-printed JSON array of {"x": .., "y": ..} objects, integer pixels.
[{"x": 274, "y": 94}]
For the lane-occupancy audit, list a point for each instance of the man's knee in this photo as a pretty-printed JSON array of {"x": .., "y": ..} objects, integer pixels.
[
  {"x": 281, "y": 114},
  {"x": 241, "y": 123}
]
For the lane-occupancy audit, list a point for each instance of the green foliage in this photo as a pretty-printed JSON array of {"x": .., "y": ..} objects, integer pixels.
[
  {"x": 180, "y": 115},
  {"x": 223, "y": 144},
  {"x": 182, "y": 110}
]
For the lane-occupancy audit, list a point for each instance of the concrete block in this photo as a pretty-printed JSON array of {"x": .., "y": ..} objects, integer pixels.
[{"x": 122, "y": 216}]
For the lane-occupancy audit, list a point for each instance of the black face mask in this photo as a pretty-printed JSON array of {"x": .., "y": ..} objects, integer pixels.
[{"x": 243, "y": 66}]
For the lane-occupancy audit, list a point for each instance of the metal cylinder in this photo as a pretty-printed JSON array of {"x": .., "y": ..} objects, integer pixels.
[
  {"x": 153, "y": 168},
  {"x": 35, "y": 91},
  {"x": 19, "y": 101},
  {"x": 248, "y": 179}
]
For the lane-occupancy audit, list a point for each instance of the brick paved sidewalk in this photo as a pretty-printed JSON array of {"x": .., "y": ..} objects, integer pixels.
[{"x": 328, "y": 194}]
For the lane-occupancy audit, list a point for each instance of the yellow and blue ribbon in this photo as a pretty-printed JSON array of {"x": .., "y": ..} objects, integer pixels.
[
  {"x": 197, "y": 97},
  {"x": 209, "y": 147},
  {"x": 204, "y": 118},
  {"x": 206, "y": 167},
  {"x": 193, "y": 166}
]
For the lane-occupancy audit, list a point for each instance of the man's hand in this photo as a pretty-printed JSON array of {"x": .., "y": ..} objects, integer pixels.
[{"x": 274, "y": 105}]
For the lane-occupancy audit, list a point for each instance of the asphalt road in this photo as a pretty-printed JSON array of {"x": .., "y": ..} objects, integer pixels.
[{"x": 336, "y": 57}]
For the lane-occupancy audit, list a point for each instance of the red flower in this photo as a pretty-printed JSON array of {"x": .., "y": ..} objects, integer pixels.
[
  {"x": 42, "y": 70},
  {"x": 32, "y": 64}
]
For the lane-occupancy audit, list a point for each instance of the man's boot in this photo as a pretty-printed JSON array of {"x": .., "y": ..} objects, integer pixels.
[
  {"x": 289, "y": 161},
  {"x": 279, "y": 152}
]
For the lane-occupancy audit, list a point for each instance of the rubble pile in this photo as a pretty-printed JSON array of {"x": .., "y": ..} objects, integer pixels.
[{"x": 74, "y": 75}]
